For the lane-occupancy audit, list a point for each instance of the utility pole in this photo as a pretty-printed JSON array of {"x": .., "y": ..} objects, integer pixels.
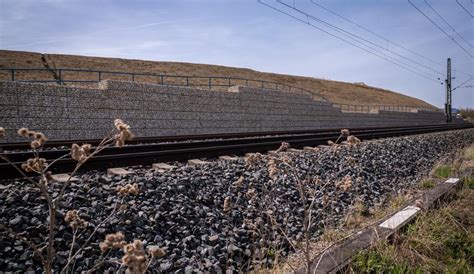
[{"x": 448, "y": 106}]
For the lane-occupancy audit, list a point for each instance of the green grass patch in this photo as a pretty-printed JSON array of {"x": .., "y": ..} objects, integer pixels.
[
  {"x": 426, "y": 184},
  {"x": 374, "y": 261},
  {"x": 439, "y": 241},
  {"x": 442, "y": 171},
  {"x": 468, "y": 181}
]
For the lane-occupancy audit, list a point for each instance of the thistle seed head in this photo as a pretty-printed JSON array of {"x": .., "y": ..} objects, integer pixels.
[
  {"x": 113, "y": 241},
  {"x": 284, "y": 146},
  {"x": 74, "y": 220},
  {"x": 124, "y": 133},
  {"x": 345, "y": 184},
  {"x": 253, "y": 159},
  {"x": 352, "y": 140},
  {"x": 80, "y": 153},
  {"x": 128, "y": 189},
  {"x": 34, "y": 164},
  {"x": 156, "y": 251},
  {"x": 23, "y": 132},
  {"x": 345, "y": 132},
  {"x": 135, "y": 258}
]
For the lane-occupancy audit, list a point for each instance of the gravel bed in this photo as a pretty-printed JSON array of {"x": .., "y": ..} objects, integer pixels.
[{"x": 183, "y": 210}]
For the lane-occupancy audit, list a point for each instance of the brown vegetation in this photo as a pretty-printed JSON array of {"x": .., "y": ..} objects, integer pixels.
[
  {"x": 135, "y": 258},
  {"x": 334, "y": 91}
]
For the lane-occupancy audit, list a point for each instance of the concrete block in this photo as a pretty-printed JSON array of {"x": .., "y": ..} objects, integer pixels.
[
  {"x": 118, "y": 171},
  {"x": 400, "y": 217},
  {"x": 195, "y": 162},
  {"x": 163, "y": 166},
  {"x": 228, "y": 158},
  {"x": 310, "y": 149},
  {"x": 64, "y": 178},
  {"x": 452, "y": 180}
]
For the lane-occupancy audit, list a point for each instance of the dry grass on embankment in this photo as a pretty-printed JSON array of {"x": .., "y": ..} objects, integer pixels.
[
  {"x": 334, "y": 91},
  {"x": 439, "y": 241}
]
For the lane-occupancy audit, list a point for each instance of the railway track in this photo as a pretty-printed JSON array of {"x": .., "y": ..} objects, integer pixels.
[
  {"x": 183, "y": 138},
  {"x": 144, "y": 151}
]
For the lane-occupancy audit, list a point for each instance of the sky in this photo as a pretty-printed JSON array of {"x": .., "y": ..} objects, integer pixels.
[{"x": 246, "y": 33}]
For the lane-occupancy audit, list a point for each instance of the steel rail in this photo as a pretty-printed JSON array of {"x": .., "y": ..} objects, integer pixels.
[
  {"x": 11, "y": 146},
  {"x": 148, "y": 154}
]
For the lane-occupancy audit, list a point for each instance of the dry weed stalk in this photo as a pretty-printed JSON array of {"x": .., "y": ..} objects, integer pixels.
[
  {"x": 307, "y": 189},
  {"x": 41, "y": 167}
]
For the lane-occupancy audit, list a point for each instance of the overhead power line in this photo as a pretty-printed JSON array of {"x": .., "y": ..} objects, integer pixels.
[
  {"x": 381, "y": 36},
  {"x": 441, "y": 29},
  {"x": 452, "y": 28},
  {"x": 351, "y": 35},
  {"x": 376, "y": 34},
  {"x": 346, "y": 41},
  {"x": 460, "y": 85},
  {"x": 470, "y": 14}
]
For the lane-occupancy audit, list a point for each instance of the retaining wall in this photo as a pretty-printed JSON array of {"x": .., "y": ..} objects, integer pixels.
[{"x": 64, "y": 112}]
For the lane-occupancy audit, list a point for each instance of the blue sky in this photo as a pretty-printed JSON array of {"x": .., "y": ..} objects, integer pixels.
[{"x": 245, "y": 33}]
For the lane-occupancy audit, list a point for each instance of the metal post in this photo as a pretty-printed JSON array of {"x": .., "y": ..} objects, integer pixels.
[
  {"x": 100, "y": 76},
  {"x": 210, "y": 83},
  {"x": 187, "y": 81},
  {"x": 60, "y": 77},
  {"x": 448, "y": 107},
  {"x": 13, "y": 75},
  {"x": 161, "y": 79},
  {"x": 229, "y": 81},
  {"x": 133, "y": 77}
]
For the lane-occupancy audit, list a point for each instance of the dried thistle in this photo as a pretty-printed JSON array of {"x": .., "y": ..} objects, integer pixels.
[
  {"x": 227, "y": 203},
  {"x": 135, "y": 258},
  {"x": 74, "y": 220},
  {"x": 113, "y": 241},
  {"x": 253, "y": 159},
  {"x": 2, "y": 133},
  {"x": 273, "y": 168},
  {"x": 345, "y": 184},
  {"x": 34, "y": 164},
  {"x": 331, "y": 143},
  {"x": 124, "y": 133},
  {"x": 128, "y": 189},
  {"x": 35, "y": 144},
  {"x": 23, "y": 132},
  {"x": 40, "y": 138},
  {"x": 284, "y": 146},
  {"x": 156, "y": 251},
  {"x": 80, "y": 153},
  {"x": 352, "y": 140},
  {"x": 345, "y": 132}
]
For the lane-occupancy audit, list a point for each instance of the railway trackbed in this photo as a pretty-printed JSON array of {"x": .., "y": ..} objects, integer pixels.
[{"x": 145, "y": 151}]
